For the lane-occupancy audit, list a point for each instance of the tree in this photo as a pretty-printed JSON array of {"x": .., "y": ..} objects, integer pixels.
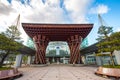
[
  {"x": 104, "y": 32},
  {"x": 110, "y": 44},
  {"x": 8, "y": 44},
  {"x": 25, "y": 58},
  {"x": 51, "y": 53},
  {"x": 63, "y": 53},
  {"x": 13, "y": 33},
  {"x": 103, "y": 38}
]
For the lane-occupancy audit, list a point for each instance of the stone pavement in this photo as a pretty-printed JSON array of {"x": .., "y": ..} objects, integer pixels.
[{"x": 59, "y": 72}]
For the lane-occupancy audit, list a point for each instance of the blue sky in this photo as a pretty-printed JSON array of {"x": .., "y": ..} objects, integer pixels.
[
  {"x": 111, "y": 18},
  {"x": 61, "y": 11}
]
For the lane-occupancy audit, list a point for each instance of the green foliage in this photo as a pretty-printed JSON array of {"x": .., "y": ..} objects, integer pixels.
[
  {"x": 111, "y": 43},
  {"x": 25, "y": 58},
  {"x": 107, "y": 43},
  {"x": 8, "y": 44},
  {"x": 12, "y": 32},
  {"x": 5, "y": 68},
  {"x": 111, "y": 66},
  {"x": 11, "y": 60},
  {"x": 99, "y": 54},
  {"x": 63, "y": 53},
  {"x": 103, "y": 32},
  {"x": 53, "y": 53}
]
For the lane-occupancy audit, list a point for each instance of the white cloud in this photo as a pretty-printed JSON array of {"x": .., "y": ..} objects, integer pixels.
[
  {"x": 5, "y": 9},
  {"x": 100, "y": 9},
  {"x": 38, "y": 12},
  {"x": 50, "y": 12},
  {"x": 77, "y": 9}
]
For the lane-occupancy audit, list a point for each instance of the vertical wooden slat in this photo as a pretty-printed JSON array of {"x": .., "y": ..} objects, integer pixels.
[{"x": 72, "y": 48}]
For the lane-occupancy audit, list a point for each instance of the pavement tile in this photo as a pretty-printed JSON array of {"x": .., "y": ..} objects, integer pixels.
[{"x": 59, "y": 72}]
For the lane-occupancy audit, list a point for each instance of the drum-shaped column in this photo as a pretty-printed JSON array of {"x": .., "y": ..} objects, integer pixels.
[
  {"x": 40, "y": 45},
  {"x": 74, "y": 44}
]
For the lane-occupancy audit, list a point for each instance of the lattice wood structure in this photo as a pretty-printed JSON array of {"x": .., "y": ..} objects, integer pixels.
[{"x": 71, "y": 33}]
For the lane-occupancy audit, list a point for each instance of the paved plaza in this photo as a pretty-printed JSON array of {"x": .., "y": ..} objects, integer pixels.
[{"x": 59, "y": 72}]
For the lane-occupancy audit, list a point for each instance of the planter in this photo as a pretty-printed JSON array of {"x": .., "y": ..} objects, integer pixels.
[
  {"x": 6, "y": 74},
  {"x": 113, "y": 72}
]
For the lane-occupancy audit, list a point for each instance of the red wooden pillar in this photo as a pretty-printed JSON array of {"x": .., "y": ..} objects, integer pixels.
[
  {"x": 69, "y": 44},
  {"x": 74, "y": 44},
  {"x": 44, "y": 46},
  {"x": 40, "y": 46}
]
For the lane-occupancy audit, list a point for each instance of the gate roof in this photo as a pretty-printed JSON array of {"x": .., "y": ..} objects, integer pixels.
[{"x": 57, "y": 32}]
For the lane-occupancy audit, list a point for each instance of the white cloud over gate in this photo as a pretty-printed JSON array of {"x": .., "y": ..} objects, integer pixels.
[
  {"x": 100, "y": 9},
  {"x": 49, "y": 11}
]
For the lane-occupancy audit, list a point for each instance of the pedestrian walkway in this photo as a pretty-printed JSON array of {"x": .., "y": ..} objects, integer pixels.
[{"x": 59, "y": 72}]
